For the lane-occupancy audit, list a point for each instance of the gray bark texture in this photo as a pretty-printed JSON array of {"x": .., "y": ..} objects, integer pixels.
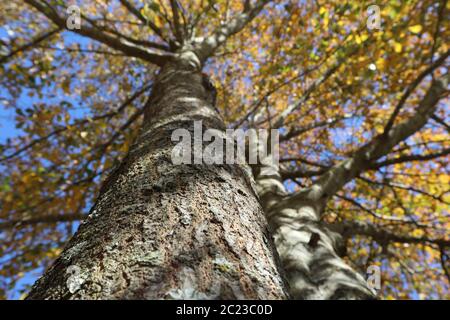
[
  {"x": 310, "y": 251},
  {"x": 164, "y": 231}
]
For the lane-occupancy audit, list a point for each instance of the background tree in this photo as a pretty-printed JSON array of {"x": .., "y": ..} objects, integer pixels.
[{"x": 362, "y": 112}]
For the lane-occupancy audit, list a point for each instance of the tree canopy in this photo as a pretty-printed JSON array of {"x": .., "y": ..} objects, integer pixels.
[{"x": 315, "y": 70}]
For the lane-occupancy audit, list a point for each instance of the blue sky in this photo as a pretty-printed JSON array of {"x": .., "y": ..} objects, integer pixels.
[{"x": 342, "y": 136}]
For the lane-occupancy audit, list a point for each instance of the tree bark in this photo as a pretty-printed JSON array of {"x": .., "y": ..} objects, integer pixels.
[
  {"x": 165, "y": 231},
  {"x": 309, "y": 251}
]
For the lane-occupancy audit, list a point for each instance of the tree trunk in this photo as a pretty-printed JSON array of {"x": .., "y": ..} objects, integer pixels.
[
  {"x": 308, "y": 250},
  {"x": 165, "y": 231}
]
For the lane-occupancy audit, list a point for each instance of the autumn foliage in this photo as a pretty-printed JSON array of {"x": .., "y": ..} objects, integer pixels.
[{"x": 73, "y": 105}]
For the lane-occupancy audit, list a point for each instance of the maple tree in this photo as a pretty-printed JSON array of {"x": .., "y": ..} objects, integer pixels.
[{"x": 363, "y": 116}]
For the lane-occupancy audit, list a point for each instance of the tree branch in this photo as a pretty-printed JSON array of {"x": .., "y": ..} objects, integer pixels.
[
  {"x": 132, "y": 50},
  {"x": 138, "y": 15},
  {"x": 44, "y": 219},
  {"x": 402, "y": 187},
  {"x": 289, "y": 174},
  {"x": 279, "y": 121},
  {"x": 176, "y": 20},
  {"x": 410, "y": 89},
  {"x": 408, "y": 158},
  {"x": 208, "y": 45},
  {"x": 444, "y": 261},
  {"x": 441, "y": 122},
  {"x": 31, "y": 44},
  {"x": 374, "y": 214},
  {"x": 381, "y": 235},
  {"x": 292, "y": 133},
  {"x": 126, "y": 103},
  {"x": 335, "y": 178}
]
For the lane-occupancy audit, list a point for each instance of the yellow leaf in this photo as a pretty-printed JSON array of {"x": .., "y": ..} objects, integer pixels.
[
  {"x": 415, "y": 29},
  {"x": 418, "y": 233},
  {"x": 380, "y": 63},
  {"x": 444, "y": 179},
  {"x": 360, "y": 39},
  {"x": 397, "y": 47},
  {"x": 326, "y": 20}
]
